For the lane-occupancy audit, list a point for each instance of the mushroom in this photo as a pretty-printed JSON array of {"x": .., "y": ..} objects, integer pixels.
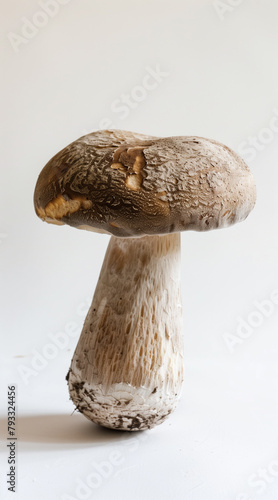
[{"x": 127, "y": 369}]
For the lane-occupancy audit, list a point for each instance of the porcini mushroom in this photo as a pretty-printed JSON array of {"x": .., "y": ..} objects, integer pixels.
[{"x": 127, "y": 369}]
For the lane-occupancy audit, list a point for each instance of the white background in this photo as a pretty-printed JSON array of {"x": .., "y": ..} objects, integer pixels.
[{"x": 222, "y": 79}]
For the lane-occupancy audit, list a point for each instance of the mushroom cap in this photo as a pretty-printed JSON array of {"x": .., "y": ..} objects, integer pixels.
[{"x": 129, "y": 184}]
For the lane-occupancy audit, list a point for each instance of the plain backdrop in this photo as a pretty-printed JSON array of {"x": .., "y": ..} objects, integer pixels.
[{"x": 70, "y": 67}]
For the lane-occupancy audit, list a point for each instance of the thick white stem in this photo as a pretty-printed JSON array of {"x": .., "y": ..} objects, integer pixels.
[{"x": 127, "y": 369}]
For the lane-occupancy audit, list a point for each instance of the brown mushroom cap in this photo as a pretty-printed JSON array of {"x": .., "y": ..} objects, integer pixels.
[{"x": 129, "y": 184}]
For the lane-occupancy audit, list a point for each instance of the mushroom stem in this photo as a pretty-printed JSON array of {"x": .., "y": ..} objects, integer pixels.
[{"x": 127, "y": 369}]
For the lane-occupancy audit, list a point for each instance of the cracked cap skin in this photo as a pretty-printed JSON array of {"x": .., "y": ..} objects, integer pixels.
[{"x": 131, "y": 185}]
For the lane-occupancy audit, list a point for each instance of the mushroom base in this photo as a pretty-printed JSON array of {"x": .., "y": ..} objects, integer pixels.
[
  {"x": 124, "y": 408},
  {"x": 127, "y": 369}
]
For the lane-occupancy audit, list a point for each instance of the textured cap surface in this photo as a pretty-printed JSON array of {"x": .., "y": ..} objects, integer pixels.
[{"x": 130, "y": 184}]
